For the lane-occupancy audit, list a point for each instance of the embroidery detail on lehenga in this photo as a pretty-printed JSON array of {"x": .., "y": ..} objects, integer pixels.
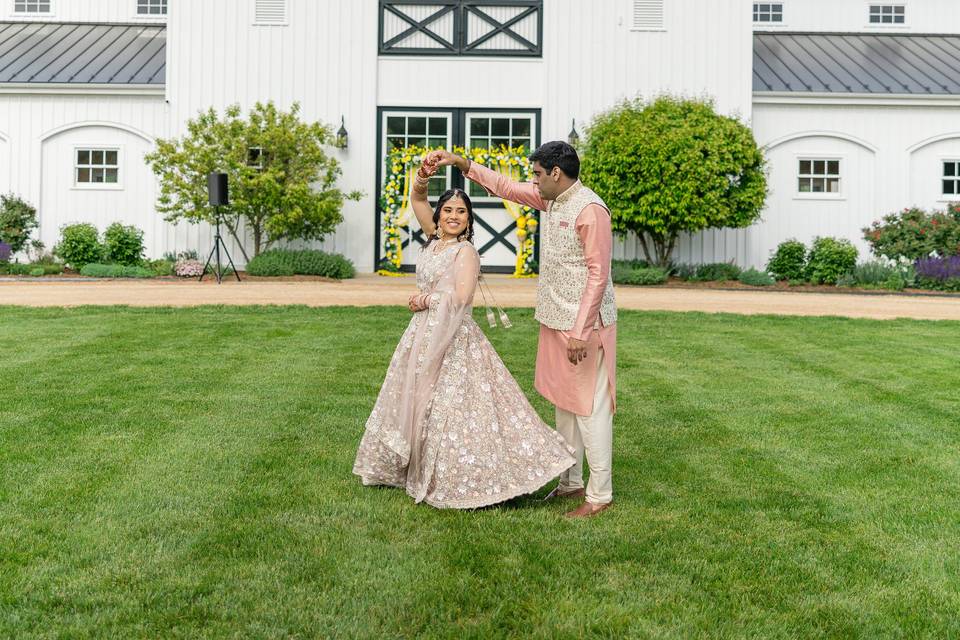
[{"x": 481, "y": 442}]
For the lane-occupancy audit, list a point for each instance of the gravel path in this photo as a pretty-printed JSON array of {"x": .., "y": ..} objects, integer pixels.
[{"x": 367, "y": 290}]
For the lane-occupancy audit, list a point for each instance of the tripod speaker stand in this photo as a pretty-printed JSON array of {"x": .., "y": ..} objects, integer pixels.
[{"x": 217, "y": 191}]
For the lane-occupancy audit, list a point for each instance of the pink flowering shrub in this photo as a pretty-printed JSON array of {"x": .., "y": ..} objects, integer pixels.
[{"x": 188, "y": 268}]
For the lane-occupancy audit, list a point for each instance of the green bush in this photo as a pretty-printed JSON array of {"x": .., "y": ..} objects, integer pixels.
[
  {"x": 673, "y": 166},
  {"x": 17, "y": 221},
  {"x": 876, "y": 275},
  {"x": 161, "y": 267},
  {"x": 684, "y": 271},
  {"x": 717, "y": 271},
  {"x": 288, "y": 262},
  {"x": 642, "y": 276},
  {"x": 123, "y": 244},
  {"x": 789, "y": 261},
  {"x": 79, "y": 245},
  {"x": 95, "y": 270},
  {"x": 913, "y": 234},
  {"x": 17, "y": 269},
  {"x": 829, "y": 259},
  {"x": 756, "y": 278},
  {"x": 36, "y": 271}
]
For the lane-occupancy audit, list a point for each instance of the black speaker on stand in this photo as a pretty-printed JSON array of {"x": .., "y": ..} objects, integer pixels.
[{"x": 218, "y": 197}]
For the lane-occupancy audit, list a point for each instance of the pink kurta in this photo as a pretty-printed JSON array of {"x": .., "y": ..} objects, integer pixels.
[{"x": 568, "y": 386}]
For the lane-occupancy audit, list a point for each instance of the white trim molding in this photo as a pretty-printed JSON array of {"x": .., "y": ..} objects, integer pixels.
[
  {"x": 819, "y": 134},
  {"x": 933, "y": 140},
  {"x": 867, "y": 99},
  {"x": 60, "y": 89},
  {"x": 96, "y": 123}
]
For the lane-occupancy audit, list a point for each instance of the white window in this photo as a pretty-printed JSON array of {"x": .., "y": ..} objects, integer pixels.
[
  {"x": 818, "y": 175},
  {"x": 421, "y": 130},
  {"x": 887, "y": 14},
  {"x": 151, "y": 7},
  {"x": 648, "y": 15},
  {"x": 490, "y": 131},
  {"x": 268, "y": 12},
  {"x": 767, "y": 12},
  {"x": 97, "y": 166},
  {"x": 951, "y": 178},
  {"x": 31, "y": 6}
]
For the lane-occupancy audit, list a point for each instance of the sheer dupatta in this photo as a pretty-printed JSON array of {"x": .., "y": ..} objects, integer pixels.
[{"x": 450, "y": 301}]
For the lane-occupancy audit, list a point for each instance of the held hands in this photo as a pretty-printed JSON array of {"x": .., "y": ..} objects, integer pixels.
[
  {"x": 576, "y": 351},
  {"x": 443, "y": 158}
]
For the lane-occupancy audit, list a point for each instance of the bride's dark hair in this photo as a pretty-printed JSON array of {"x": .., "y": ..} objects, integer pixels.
[{"x": 447, "y": 195}]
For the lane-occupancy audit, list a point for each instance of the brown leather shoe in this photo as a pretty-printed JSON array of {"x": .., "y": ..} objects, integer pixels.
[
  {"x": 587, "y": 510},
  {"x": 557, "y": 494}
]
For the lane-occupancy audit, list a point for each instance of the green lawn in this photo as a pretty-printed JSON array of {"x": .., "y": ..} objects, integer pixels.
[{"x": 186, "y": 473}]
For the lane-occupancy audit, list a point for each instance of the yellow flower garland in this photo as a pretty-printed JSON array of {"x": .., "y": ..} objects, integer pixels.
[{"x": 511, "y": 161}]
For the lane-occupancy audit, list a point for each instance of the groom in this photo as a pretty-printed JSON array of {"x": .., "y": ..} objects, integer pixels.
[{"x": 577, "y": 349}]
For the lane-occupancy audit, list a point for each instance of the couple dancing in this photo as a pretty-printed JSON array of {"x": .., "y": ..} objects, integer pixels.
[{"x": 451, "y": 426}]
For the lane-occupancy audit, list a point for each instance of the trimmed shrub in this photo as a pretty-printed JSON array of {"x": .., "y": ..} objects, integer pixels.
[
  {"x": 17, "y": 221},
  {"x": 941, "y": 274},
  {"x": 717, "y": 271},
  {"x": 161, "y": 267},
  {"x": 756, "y": 278},
  {"x": 36, "y": 271},
  {"x": 643, "y": 276},
  {"x": 789, "y": 261},
  {"x": 287, "y": 262},
  {"x": 123, "y": 244},
  {"x": 913, "y": 234},
  {"x": 96, "y": 270},
  {"x": 17, "y": 269},
  {"x": 874, "y": 275},
  {"x": 829, "y": 259},
  {"x": 79, "y": 245}
]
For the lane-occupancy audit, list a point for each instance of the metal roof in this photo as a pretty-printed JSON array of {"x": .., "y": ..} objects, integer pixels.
[
  {"x": 860, "y": 63},
  {"x": 81, "y": 53}
]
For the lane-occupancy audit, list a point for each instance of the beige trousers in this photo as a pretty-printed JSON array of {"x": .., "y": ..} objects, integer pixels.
[{"x": 592, "y": 435}]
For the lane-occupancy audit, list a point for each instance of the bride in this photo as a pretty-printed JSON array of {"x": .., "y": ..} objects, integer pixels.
[{"x": 451, "y": 426}]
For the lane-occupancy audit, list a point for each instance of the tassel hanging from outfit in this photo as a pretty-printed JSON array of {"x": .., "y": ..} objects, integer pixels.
[{"x": 491, "y": 316}]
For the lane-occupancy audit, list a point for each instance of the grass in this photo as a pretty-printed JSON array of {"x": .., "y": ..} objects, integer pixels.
[{"x": 186, "y": 473}]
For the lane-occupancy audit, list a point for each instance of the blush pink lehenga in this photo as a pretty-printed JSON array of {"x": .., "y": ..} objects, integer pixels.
[{"x": 451, "y": 426}]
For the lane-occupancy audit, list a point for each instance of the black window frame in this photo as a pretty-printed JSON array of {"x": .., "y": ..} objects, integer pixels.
[
  {"x": 461, "y": 46},
  {"x": 456, "y": 136}
]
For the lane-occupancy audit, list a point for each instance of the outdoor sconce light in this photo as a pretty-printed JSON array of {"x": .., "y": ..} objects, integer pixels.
[
  {"x": 573, "y": 137},
  {"x": 341, "y": 142}
]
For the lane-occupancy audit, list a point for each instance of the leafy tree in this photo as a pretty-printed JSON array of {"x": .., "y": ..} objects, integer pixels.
[
  {"x": 17, "y": 221},
  {"x": 673, "y": 166},
  {"x": 282, "y": 182}
]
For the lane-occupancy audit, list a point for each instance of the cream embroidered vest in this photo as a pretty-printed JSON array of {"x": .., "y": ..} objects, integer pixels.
[{"x": 563, "y": 267}]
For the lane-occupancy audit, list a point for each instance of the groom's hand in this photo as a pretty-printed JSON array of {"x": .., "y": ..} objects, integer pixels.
[
  {"x": 576, "y": 351},
  {"x": 443, "y": 158}
]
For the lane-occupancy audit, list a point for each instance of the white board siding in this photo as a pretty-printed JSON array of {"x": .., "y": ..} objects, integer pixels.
[
  {"x": 4, "y": 164},
  {"x": 62, "y": 202},
  {"x": 324, "y": 58},
  {"x": 37, "y": 168},
  {"x": 926, "y": 169},
  {"x": 890, "y": 166}
]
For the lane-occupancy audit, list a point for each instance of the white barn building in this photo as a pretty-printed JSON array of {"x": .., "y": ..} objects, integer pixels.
[{"x": 856, "y": 102}]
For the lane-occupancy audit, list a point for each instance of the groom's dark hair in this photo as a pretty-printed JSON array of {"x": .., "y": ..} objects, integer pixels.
[{"x": 558, "y": 154}]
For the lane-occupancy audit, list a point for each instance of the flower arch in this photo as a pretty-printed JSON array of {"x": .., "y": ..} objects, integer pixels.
[{"x": 397, "y": 209}]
